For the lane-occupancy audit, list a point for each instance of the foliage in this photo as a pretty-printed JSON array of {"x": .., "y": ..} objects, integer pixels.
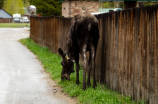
[
  {"x": 149, "y": 3},
  {"x": 100, "y": 95},
  {"x": 14, "y": 25},
  {"x": 121, "y": 4},
  {"x": 108, "y": 5},
  {"x": 47, "y": 7},
  {"x": 111, "y": 5},
  {"x": 1, "y": 3},
  {"x": 14, "y": 6},
  {"x": 26, "y": 3}
]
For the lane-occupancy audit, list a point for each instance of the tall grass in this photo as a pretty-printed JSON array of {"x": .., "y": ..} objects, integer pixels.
[{"x": 51, "y": 63}]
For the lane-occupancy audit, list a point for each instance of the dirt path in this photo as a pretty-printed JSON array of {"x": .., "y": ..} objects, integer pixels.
[{"x": 22, "y": 77}]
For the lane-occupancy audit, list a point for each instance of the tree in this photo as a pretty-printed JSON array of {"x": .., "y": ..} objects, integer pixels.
[
  {"x": 107, "y": 5},
  {"x": 149, "y": 3},
  {"x": 14, "y": 6},
  {"x": 111, "y": 5},
  {"x": 26, "y": 3},
  {"x": 1, "y": 3},
  {"x": 47, "y": 7}
]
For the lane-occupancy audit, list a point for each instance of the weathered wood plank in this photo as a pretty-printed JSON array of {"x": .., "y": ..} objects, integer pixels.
[
  {"x": 134, "y": 57},
  {"x": 130, "y": 53},
  {"x": 105, "y": 42},
  {"x": 156, "y": 71},
  {"x": 151, "y": 72},
  {"x": 108, "y": 52},
  {"x": 119, "y": 51},
  {"x": 125, "y": 52},
  {"x": 155, "y": 57},
  {"x": 47, "y": 32},
  {"x": 144, "y": 83},
  {"x": 122, "y": 55},
  {"x": 141, "y": 39},
  {"x": 100, "y": 52},
  {"x": 142, "y": 54},
  {"x": 115, "y": 80},
  {"x": 137, "y": 56},
  {"x": 148, "y": 57},
  {"x": 111, "y": 51}
]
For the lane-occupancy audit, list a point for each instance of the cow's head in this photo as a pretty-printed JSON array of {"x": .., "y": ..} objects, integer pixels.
[{"x": 67, "y": 65}]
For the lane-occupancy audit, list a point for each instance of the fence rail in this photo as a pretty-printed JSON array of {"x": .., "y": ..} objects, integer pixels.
[{"x": 127, "y": 53}]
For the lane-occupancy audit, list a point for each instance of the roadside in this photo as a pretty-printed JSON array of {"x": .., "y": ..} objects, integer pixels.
[
  {"x": 14, "y": 25},
  {"x": 22, "y": 77}
]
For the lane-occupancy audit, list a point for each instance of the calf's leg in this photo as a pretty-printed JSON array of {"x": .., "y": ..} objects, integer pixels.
[
  {"x": 89, "y": 70},
  {"x": 77, "y": 72},
  {"x": 93, "y": 53},
  {"x": 84, "y": 67}
]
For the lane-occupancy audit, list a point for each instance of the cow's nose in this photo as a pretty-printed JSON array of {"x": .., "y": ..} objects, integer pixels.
[
  {"x": 67, "y": 77},
  {"x": 62, "y": 78}
]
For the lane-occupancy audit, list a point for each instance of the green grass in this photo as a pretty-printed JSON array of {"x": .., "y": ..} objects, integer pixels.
[
  {"x": 51, "y": 63},
  {"x": 14, "y": 25}
]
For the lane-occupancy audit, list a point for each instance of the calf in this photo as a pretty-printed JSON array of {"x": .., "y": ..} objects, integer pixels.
[{"x": 83, "y": 37}]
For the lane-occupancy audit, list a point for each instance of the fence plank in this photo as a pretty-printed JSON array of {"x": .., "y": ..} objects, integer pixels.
[
  {"x": 122, "y": 54},
  {"x": 108, "y": 56},
  {"x": 111, "y": 52},
  {"x": 144, "y": 73},
  {"x": 127, "y": 51},
  {"x": 115, "y": 80},
  {"x": 155, "y": 55},
  {"x": 100, "y": 66},
  {"x": 148, "y": 57},
  {"x": 156, "y": 71},
  {"x": 134, "y": 57},
  {"x": 125, "y": 54},
  {"x": 130, "y": 56},
  {"x": 142, "y": 53},
  {"x": 119, "y": 50}
]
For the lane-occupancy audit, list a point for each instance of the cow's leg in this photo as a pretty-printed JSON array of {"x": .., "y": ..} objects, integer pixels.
[
  {"x": 77, "y": 68},
  {"x": 93, "y": 53},
  {"x": 84, "y": 67},
  {"x": 77, "y": 72},
  {"x": 89, "y": 69}
]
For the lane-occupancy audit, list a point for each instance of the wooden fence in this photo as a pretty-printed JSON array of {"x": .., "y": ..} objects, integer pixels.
[
  {"x": 127, "y": 54},
  {"x": 6, "y": 20}
]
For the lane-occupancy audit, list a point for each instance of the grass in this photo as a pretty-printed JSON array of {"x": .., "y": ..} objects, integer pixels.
[
  {"x": 14, "y": 25},
  {"x": 51, "y": 63}
]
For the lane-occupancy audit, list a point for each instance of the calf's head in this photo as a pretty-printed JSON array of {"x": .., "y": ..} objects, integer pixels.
[{"x": 67, "y": 65}]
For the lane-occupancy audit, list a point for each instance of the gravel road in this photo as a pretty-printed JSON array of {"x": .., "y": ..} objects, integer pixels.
[{"x": 22, "y": 77}]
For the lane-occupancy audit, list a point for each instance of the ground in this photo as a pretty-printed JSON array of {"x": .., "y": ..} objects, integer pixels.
[{"x": 22, "y": 77}]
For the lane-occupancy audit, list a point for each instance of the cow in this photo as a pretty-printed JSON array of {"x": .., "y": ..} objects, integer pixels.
[{"x": 83, "y": 36}]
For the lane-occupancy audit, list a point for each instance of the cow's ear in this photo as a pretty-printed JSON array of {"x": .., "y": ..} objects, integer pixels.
[
  {"x": 61, "y": 52},
  {"x": 72, "y": 60}
]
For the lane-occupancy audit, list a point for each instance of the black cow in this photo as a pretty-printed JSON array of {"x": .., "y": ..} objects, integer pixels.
[{"x": 83, "y": 37}]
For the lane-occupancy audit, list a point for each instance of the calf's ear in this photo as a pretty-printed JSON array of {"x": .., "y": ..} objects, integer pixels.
[
  {"x": 61, "y": 52},
  {"x": 71, "y": 60}
]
